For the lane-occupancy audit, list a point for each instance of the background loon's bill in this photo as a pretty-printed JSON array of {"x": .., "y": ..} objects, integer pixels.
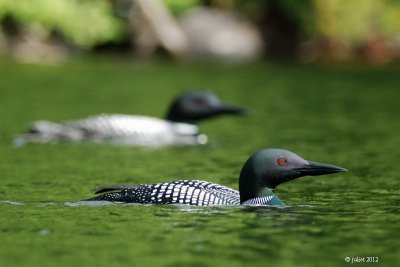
[
  {"x": 179, "y": 127},
  {"x": 260, "y": 175}
]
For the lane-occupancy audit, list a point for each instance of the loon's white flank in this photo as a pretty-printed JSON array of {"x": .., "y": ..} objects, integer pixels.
[{"x": 116, "y": 129}]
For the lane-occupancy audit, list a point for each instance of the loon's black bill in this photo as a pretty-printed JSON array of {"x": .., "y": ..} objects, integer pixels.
[
  {"x": 228, "y": 109},
  {"x": 315, "y": 168}
]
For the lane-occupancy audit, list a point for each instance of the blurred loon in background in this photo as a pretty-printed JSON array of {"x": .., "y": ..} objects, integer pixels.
[
  {"x": 179, "y": 127},
  {"x": 260, "y": 175}
]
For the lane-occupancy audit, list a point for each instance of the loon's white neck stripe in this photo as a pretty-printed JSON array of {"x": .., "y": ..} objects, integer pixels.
[{"x": 258, "y": 200}]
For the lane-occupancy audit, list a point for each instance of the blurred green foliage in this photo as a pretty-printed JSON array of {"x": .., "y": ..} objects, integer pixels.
[
  {"x": 83, "y": 23},
  {"x": 358, "y": 20},
  {"x": 301, "y": 11},
  {"x": 178, "y": 6},
  {"x": 86, "y": 23},
  {"x": 352, "y": 22}
]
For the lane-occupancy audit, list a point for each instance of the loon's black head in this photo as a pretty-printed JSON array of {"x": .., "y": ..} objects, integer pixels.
[
  {"x": 272, "y": 167},
  {"x": 197, "y": 105}
]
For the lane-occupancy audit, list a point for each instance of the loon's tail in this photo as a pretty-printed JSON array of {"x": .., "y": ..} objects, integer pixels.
[
  {"x": 115, "y": 197},
  {"x": 116, "y": 193},
  {"x": 47, "y": 131}
]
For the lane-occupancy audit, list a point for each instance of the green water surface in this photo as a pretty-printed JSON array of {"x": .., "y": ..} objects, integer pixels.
[{"x": 347, "y": 116}]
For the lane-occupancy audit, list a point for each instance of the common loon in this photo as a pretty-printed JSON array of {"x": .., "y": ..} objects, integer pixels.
[
  {"x": 260, "y": 175},
  {"x": 179, "y": 127}
]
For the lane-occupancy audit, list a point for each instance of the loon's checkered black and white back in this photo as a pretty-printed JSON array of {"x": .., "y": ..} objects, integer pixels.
[
  {"x": 190, "y": 192},
  {"x": 117, "y": 129},
  {"x": 137, "y": 130}
]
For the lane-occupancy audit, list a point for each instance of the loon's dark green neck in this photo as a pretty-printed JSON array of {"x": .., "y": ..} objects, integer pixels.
[{"x": 251, "y": 182}]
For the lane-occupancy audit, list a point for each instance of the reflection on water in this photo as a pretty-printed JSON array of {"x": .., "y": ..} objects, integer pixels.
[
  {"x": 88, "y": 203},
  {"x": 44, "y": 232},
  {"x": 12, "y": 202}
]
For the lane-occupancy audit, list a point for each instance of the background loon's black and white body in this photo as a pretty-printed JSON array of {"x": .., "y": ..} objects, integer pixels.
[
  {"x": 178, "y": 128},
  {"x": 260, "y": 175}
]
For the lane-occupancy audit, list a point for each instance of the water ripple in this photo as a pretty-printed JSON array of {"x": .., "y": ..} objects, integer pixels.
[{"x": 12, "y": 202}]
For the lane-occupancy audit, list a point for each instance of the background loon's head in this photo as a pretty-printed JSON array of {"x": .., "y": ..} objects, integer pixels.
[
  {"x": 197, "y": 105},
  {"x": 271, "y": 167}
]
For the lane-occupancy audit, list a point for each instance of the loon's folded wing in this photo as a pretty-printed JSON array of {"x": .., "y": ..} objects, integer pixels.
[
  {"x": 231, "y": 196},
  {"x": 109, "y": 125},
  {"x": 137, "y": 130},
  {"x": 117, "y": 187}
]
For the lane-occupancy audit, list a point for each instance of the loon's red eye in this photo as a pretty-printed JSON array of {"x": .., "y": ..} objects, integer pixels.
[{"x": 282, "y": 161}]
